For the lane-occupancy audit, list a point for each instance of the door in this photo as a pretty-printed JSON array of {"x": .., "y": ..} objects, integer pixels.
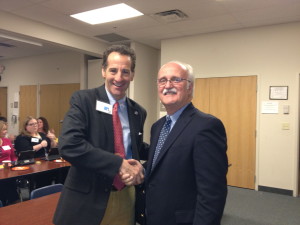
[
  {"x": 54, "y": 103},
  {"x": 233, "y": 100},
  {"x": 28, "y": 102},
  {"x": 3, "y": 101}
]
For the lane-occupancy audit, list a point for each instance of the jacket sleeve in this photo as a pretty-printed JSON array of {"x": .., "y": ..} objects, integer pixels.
[
  {"x": 210, "y": 163},
  {"x": 74, "y": 142}
]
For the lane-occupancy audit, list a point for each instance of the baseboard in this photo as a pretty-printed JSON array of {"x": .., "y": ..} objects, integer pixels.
[{"x": 275, "y": 190}]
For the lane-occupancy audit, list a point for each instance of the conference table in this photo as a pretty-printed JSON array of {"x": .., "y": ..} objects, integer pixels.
[
  {"x": 38, "y": 167},
  {"x": 37, "y": 211},
  {"x": 59, "y": 167}
]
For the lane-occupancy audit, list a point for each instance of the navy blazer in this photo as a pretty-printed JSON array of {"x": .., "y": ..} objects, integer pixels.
[
  {"x": 87, "y": 143},
  {"x": 188, "y": 182}
]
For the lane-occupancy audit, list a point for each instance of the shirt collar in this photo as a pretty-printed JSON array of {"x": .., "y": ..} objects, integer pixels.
[
  {"x": 111, "y": 99},
  {"x": 174, "y": 117}
]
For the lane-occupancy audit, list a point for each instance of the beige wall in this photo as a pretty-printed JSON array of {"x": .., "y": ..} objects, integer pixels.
[
  {"x": 95, "y": 78},
  {"x": 143, "y": 87},
  {"x": 53, "y": 68},
  {"x": 12, "y": 23},
  {"x": 273, "y": 54}
]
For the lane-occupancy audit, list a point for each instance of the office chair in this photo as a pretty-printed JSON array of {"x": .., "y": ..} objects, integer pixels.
[
  {"x": 1, "y": 205},
  {"x": 47, "y": 190}
]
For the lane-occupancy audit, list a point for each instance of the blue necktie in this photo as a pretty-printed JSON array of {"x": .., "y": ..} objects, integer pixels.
[{"x": 162, "y": 137}]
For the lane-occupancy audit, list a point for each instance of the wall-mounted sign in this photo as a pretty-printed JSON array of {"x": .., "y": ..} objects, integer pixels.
[
  {"x": 278, "y": 92},
  {"x": 269, "y": 107}
]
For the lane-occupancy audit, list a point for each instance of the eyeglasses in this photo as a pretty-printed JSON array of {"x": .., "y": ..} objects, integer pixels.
[
  {"x": 174, "y": 80},
  {"x": 32, "y": 124}
]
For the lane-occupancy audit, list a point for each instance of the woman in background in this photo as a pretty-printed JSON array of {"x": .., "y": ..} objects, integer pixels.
[
  {"x": 43, "y": 127},
  {"x": 8, "y": 188},
  {"x": 7, "y": 151},
  {"x": 30, "y": 139}
]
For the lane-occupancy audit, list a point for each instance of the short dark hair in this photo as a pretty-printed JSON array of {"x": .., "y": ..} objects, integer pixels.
[
  {"x": 2, "y": 118},
  {"x": 123, "y": 50}
]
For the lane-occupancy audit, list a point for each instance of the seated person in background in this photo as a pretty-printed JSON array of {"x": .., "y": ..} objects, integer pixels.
[
  {"x": 43, "y": 127},
  {"x": 7, "y": 151},
  {"x": 30, "y": 139},
  {"x": 8, "y": 188},
  {"x": 11, "y": 137}
]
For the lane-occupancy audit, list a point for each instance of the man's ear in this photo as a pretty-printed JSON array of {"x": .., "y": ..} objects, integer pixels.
[
  {"x": 103, "y": 73},
  {"x": 132, "y": 76}
]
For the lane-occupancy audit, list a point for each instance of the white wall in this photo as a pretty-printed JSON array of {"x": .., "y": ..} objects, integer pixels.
[
  {"x": 56, "y": 68},
  {"x": 143, "y": 88},
  {"x": 95, "y": 78},
  {"x": 20, "y": 25},
  {"x": 273, "y": 54}
]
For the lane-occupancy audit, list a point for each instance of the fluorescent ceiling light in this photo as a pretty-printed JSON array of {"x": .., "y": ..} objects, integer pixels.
[
  {"x": 21, "y": 40},
  {"x": 107, "y": 14}
]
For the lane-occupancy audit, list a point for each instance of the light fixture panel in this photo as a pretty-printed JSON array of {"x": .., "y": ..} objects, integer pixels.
[{"x": 107, "y": 14}]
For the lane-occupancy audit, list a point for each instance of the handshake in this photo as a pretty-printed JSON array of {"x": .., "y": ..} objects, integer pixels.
[{"x": 131, "y": 172}]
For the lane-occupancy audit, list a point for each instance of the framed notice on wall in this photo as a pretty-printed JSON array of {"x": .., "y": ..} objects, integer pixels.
[{"x": 278, "y": 92}]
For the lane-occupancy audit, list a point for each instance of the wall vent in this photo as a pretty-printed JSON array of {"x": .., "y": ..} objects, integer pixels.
[
  {"x": 170, "y": 16},
  {"x": 6, "y": 45},
  {"x": 112, "y": 38}
]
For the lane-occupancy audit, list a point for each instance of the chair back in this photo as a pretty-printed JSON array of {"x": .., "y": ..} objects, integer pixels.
[
  {"x": 47, "y": 190},
  {"x": 1, "y": 205}
]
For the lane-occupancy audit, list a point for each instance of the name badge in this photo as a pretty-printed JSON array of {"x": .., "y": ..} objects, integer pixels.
[
  {"x": 6, "y": 147},
  {"x": 103, "y": 107},
  {"x": 35, "y": 140}
]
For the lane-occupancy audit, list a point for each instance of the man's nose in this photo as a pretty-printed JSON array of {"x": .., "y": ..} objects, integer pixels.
[
  {"x": 118, "y": 76},
  {"x": 168, "y": 84}
]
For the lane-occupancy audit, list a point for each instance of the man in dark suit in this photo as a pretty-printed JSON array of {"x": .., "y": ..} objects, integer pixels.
[
  {"x": 185, "y": 179},
  {"x": 87, "y": 142}
]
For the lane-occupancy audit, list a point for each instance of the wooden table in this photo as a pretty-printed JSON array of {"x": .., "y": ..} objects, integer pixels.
[
  {"x": 38, "y": 167},
  {"x": 37, "y": 211},
  {"x": 27, "y": 178}
]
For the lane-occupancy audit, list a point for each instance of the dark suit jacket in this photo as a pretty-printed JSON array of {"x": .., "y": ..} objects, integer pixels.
[
  {"x": 188, "y": 182},
  {"x": 87, "y": 142}
]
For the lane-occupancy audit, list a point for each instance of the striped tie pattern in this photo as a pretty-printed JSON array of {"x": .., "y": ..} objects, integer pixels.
[{"x": 162, "y": 137}]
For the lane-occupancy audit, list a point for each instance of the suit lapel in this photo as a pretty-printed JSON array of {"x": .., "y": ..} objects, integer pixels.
[
  {"x": 106, "y": 118},
  {"x": 134, "y": 118},
  {"x": 178, "y": 128}
]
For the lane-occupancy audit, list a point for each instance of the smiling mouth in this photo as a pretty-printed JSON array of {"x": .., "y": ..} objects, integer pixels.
[
  {"x": 169, "y": 93},
  {"x": 117, "y": 85}
]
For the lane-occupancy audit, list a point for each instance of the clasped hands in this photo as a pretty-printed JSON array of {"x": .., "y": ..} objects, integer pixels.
[{"x": 131, "y": 172}]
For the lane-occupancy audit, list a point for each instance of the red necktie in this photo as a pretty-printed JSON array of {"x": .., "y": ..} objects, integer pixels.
[{"x": 119, "y": 146}]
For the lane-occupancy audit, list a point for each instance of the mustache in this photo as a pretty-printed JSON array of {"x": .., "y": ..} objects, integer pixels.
[{"x": 169, "y": 91}]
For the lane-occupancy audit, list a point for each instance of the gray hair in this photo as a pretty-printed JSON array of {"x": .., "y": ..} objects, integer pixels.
[{"x": 190, "y": 72}]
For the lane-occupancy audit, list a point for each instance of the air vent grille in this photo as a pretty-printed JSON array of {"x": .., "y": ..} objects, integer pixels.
[
  {"x": 6, "y": 45},
  {"x": 170, "y": 16},
  {"x": 112, "y": 38}
]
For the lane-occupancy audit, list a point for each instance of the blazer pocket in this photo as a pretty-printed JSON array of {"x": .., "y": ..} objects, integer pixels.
[
  {"x": 184, "y": 216},
  {"x": 78, "y": 181}
]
